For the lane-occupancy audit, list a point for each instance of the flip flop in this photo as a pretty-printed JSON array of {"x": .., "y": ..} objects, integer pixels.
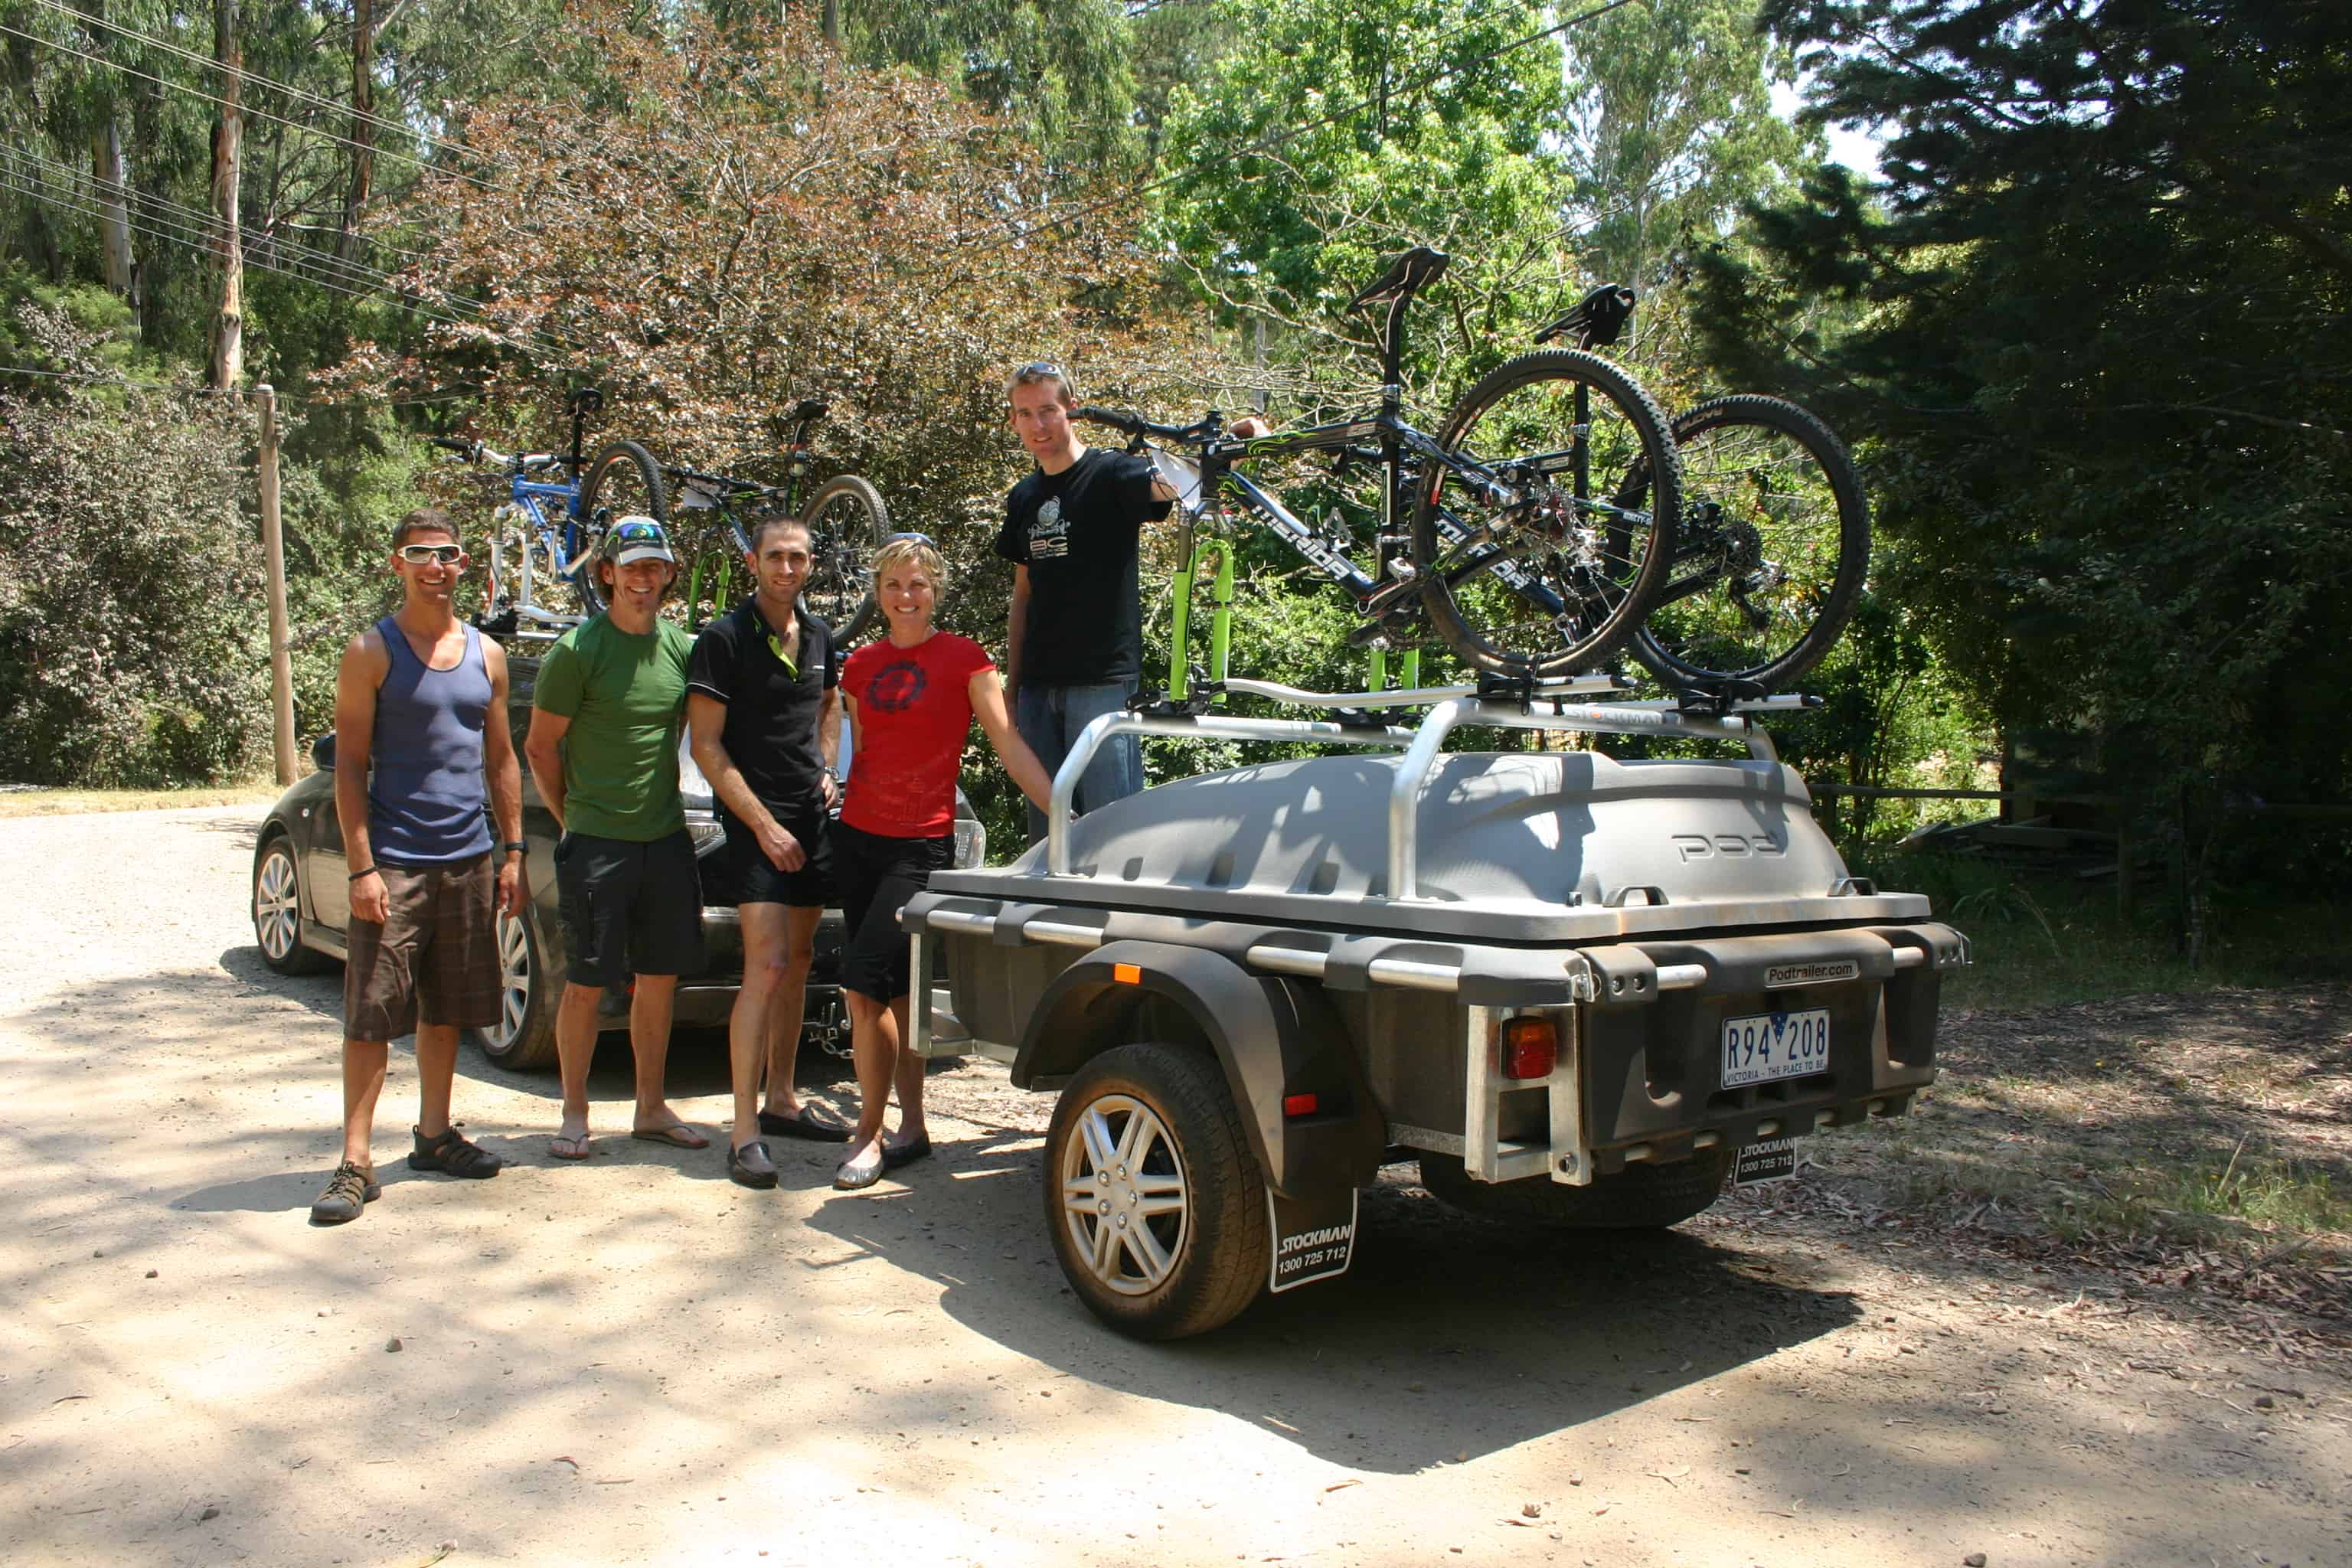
[
  {"x": 813, "y": 1122},
  {"x": 569, "y": 1146},
  {"x": 678, "y": 1135}
]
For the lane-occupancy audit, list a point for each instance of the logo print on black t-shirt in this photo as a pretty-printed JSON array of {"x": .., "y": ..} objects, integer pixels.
[
  {"x": 1048, "y": 536},
  {"x": 896, "y": 685}
]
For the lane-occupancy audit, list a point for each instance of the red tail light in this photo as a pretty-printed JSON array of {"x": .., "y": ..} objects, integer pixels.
[
  {"x": 1529, "y": 1047},
  {"x": 1299, "y": 1104}
]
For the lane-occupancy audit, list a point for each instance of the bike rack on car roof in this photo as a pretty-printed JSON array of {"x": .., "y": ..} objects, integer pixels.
[{"x": 1548, "y": 706}]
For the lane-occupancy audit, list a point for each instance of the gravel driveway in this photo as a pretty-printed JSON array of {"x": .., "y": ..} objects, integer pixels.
[{"x": 631, "y": 1360}]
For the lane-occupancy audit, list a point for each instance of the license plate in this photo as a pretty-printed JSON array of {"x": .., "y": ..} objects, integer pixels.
[{"x": 1764, "y": 1046}]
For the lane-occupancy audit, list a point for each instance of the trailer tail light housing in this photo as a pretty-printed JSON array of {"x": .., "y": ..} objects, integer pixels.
[
  {"x": 1530, "y": 1048},
  {"x": 1300, "y": 1104}
]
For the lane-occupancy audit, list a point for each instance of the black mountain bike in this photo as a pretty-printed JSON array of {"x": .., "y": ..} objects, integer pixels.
[
  {"x": 1515, "y": 529},
  {"x": 714, "y": 514},
  {"x": 1774, "y": 542}
]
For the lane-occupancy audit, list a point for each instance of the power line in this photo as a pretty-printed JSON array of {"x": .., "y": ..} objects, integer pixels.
[
  {"x": 248, "y": 109},
  {"x": 1268, "y": 144},
  {"x": 162, "y": 208},
  {"x": 299, "y": 94},
  {"x": 13, "y": 181}
]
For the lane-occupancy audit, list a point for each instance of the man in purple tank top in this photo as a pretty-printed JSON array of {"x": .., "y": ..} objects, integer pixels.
[{"x": 423, "y": 760}]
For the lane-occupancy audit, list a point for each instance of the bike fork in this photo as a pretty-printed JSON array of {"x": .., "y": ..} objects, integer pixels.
[{"x": 1221, "y": 616}]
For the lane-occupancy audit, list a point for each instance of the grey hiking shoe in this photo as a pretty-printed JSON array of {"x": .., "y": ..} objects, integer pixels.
[{"x": 349, "y": 1190}]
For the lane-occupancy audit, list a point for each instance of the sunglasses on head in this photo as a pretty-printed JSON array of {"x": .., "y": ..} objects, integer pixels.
[
  {"x": 922, "y": 539},
  {"x": 632, "y": 532},
  {"x": 447, "y": 554}
]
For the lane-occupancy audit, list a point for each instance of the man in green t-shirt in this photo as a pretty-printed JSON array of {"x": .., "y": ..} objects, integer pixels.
[{"x": 611, "y": 692}]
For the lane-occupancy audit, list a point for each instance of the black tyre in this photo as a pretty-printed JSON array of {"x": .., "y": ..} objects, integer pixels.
[
  {"x": 1155, "y": 1203},
  {"x": 623, "y": 480},
  {"x": 278, "y": 910},
  {"x": 1537, "y": 566},
  {"x": 1639, "y": 1198},
  {"x": 847, "y": 523},
  {"x": 1771, "y": 553},
  {"x": 524, "y": 1036}
]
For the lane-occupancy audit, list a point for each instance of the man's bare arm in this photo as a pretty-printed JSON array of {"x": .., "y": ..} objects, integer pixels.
[
  {"x": 540, "y": 749},
  {"x": 828, "y": 744},
  {"x": 364, "y": 665},
  {"x": 503, "y": 778}
]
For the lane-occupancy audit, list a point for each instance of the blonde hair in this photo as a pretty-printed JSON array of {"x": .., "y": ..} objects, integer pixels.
[{"x": 912, "y": 550}]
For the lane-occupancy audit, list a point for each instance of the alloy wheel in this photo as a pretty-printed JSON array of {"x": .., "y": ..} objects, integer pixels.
[{"x": 1124, "y": 1194}]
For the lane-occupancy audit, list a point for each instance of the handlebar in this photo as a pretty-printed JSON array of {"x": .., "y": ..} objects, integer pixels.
[{"x": 1134, "y": 425}]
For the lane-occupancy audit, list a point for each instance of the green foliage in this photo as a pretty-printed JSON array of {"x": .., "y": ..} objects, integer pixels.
[
  {"x": 129, "y": 652},
  {"x": 2093, "y": 366}
]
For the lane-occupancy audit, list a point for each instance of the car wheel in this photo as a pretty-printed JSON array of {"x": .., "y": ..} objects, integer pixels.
[
  {"x": 1639, "y": 1198},
  {"x": 1156, "y": 1205},
  {"x": 277, "y": 910},
  {"x": 524, "y": 1036}
]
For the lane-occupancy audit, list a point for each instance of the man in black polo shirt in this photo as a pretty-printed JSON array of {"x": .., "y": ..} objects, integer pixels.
[{"x": 765, "y": 715}]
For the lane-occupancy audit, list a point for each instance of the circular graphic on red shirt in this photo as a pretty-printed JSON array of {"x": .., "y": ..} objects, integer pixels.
[{"x": 896, "y": 687}]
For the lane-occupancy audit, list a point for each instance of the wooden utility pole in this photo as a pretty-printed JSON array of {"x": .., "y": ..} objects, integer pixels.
[
  {"x": 273, "y": 563},
  {"x": 228, "y": 243},
  {"x": 362, "y": 124}
]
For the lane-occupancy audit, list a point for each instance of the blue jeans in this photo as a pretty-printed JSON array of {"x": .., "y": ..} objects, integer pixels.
[{"x": 1049, "y": 719}]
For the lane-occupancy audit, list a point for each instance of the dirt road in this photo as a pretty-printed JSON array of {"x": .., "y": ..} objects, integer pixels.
[{"x": 632, "y": 1361}]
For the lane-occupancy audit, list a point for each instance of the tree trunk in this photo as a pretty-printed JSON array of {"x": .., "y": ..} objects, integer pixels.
[
  {"x": 114, "y": 204},
  {"x": 362, "y": 119},
  {"x": 831, "y": 23},
  {"x": 228, "y": 326}
]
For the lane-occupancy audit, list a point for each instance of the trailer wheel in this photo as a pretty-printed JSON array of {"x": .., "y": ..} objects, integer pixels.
[
  {"x": 1155, "y": 1204},
  {"x": 1639, "y": 1198}
]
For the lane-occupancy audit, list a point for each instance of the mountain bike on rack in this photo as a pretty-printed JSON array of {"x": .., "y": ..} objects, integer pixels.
[
  {"x": 713, "y": 515},
  {"x": 1774, "y": 541},
  {"x": 557, "y": 507},
  {"x": 1518, "y": 552}
]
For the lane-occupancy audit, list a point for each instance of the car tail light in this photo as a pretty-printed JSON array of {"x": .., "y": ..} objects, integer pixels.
[
  {"x": 1300, "y": 1104},
  {"x": 1529, "y": 1047}
]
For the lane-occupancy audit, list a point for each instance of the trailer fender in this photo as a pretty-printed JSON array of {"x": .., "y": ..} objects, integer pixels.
[{"x": 1276, "y": 1039}]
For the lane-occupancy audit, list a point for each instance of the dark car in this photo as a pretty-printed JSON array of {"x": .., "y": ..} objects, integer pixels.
[{"x": 301, "y": 906}]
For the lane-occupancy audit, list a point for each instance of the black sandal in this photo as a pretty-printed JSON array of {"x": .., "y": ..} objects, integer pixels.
[{"x": 452, "y": 1155}]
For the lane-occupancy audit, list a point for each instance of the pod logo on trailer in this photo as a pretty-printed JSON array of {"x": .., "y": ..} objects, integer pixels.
[
  {"x": 1813, "y": 973},
  {"x": 1726, "y": 847}
]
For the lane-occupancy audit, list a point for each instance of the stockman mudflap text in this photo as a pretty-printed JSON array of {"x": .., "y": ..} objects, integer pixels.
[{"x": 1575, "y": 987}]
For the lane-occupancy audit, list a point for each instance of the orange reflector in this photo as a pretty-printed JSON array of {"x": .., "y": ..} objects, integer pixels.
[
  {"x": 1299, "y": 1105},
  {"x": 1529, "y": 1047},
  {"x": 1127, "y": 973}
]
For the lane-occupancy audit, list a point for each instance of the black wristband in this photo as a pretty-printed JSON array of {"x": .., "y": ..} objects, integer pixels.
[
  {"x": 368, "y": 872},
  {"x": 518, "y": 844}
]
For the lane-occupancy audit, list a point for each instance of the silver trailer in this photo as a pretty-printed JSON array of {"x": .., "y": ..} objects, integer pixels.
[{"x": 1576, "y": 989}]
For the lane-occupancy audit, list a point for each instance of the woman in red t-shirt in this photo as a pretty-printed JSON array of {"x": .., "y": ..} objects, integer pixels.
[{"x": 912, "y": 698}]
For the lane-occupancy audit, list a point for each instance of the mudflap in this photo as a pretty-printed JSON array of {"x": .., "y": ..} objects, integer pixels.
[
  {"x": 1762, "y": 1164},
  {"x": 1314, "y": 1238}
]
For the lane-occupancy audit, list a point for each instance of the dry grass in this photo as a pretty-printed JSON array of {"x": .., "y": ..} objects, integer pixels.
[{"x": 15, "y": 803}]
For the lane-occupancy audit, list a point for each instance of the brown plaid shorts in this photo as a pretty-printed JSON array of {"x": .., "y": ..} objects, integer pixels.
[{"x": 435, "y": 958}]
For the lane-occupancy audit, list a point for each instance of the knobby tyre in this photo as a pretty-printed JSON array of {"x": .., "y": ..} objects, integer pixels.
[
  {"x": 1153, "y": 1197},
  {"x": 847, "y": 523},
  {"x": 1536, "y": 567},
  {"x": 623, "y": 480},
  {"x": 1772, "y": 551}
]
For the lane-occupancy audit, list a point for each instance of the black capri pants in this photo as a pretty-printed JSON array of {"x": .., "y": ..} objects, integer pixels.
[{"x": 877, "y": 876}]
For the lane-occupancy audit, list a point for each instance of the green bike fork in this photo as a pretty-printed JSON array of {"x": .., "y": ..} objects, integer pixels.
[{"x": 1221, "y": 616}]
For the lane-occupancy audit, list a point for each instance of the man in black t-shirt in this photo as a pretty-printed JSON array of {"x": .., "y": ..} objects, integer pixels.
[
  {"x": 1074, "y": 644},
  {"x": 762, "y": 703}
]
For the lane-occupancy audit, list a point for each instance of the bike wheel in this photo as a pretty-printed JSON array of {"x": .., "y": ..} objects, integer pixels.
[
  {"x": 1772, "y": 550},
  {"x": 623, "y": 480},
  {"x": 847, "y": 524},
  {"x": 1531, "y": 564}
]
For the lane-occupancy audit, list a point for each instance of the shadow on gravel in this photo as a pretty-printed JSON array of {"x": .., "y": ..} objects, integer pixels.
[{"x": 1535, "y": 1332}]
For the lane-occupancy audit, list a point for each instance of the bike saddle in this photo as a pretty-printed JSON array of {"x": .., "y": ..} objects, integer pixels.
[
  {"x": 808, "y": 409},
  {"x": 584, "y": 400},
  {"x": 1415, "y": 267},
  {"x": 1597, "y": 319}
]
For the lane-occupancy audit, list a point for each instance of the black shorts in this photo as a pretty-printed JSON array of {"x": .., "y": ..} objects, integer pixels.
[
  {"x": 877, "y": 876},
  {"x": 629, "y": 908},
  {"x": 753, "y": 878}
]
